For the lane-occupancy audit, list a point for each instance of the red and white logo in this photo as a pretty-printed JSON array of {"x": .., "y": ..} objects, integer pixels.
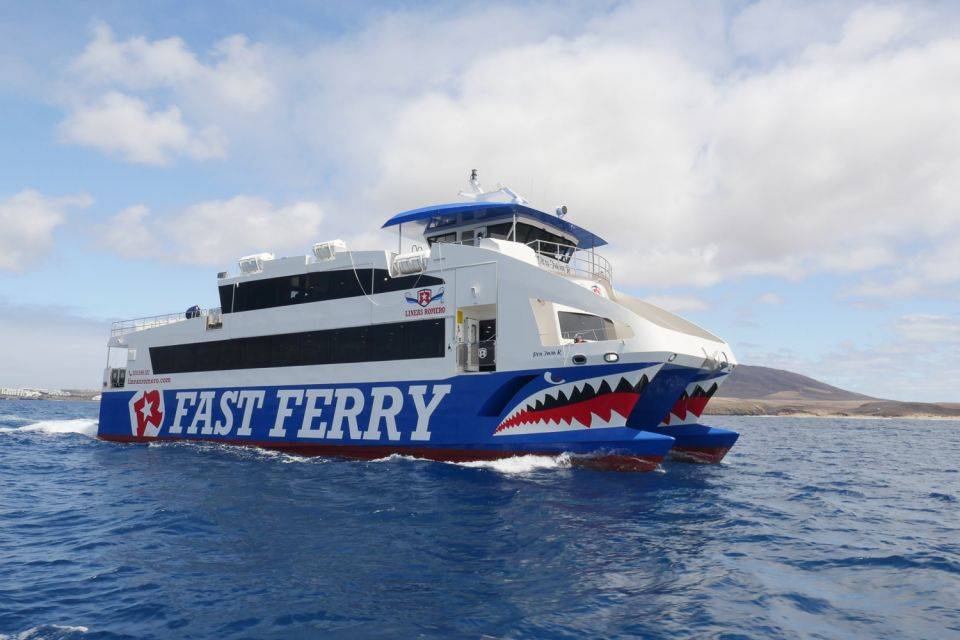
[
  {"x": 424, "y": 297},
  {"x": 146, "y": 413}
]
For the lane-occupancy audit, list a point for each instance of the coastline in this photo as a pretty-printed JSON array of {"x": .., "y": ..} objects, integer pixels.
[{"x": 803, "y": 408}]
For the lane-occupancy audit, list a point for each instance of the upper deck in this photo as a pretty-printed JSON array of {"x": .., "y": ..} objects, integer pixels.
[
  {"x": 499, "y": 219},
  {"x": 336, "y": 272},
  {"x": 560, "y": 246}
]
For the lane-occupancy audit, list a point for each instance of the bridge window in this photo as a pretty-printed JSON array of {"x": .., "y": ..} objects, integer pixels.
[
  {"x": 373, "y": 343},
  {"x": 447, "y": 238},
  {"x": 550, "y": 244}
]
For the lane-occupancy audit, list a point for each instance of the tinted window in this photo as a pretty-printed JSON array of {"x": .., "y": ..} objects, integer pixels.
[
  {"x": 315, "y": 287},
  {"x": 347, "y": 284},
  {"x": 350, "y": 345},
  {"x": 255, "y": 352},
  {"x": 226, "y": 298},
  {"x": 585, "y": 326},
  {"x": 421, "y": 339},
  {"x": 183, "y": 358},
  {"x": 231, "y": 356},
  {"x": 379, "y": 342},
  {"x": 387, "y": 342},
  {"x": 161, "y": 359},
  {"x": 500, "y": 231},
  {"x": 207, "y": 356},
  {"x": 315, "y": 347},
  {"x": 285, "y": 350},
  {"x": 318, "y": 286},
  {"x": 264, "y": 294}
]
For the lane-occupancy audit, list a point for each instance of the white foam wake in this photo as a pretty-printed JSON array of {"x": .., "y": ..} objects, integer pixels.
[
  {"x": 84, "y": 426},
  {"x": 10, "y": 417},
  {"x": 520, "y": 464},
  {"x": 47, "y": 632},
  {"x": 510, "y": 466},
  {"x": 209, "y": 446}
]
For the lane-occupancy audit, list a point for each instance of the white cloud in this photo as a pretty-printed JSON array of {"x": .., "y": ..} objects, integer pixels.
[
  {"x": 27, "y": 223},
  {"x": 817, "y": 164},
  {"x": 776, "y": 139},
  {"x": 114, "y": 89},
  {"x": 678, "y": 304},
  {"x": 135, "y": 63},
  {"x": 933, "y": 271},
  {"x": 770, "y": 298},
  {"x": 914, "y": 361},
  {"x": 125, "y": 126},
  {"x": 130, "y": 233},
  {"x": 930, "y": 328},
  {"x": 215, "y": 232}
]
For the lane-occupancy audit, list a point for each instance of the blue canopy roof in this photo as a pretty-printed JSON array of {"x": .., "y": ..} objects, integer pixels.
[{"x": 471, "y": 212}]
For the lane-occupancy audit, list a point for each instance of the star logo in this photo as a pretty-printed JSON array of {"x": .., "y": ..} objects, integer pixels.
[
  {"x": 146, "y": 413},
  {"x": 424, "y": 297}
]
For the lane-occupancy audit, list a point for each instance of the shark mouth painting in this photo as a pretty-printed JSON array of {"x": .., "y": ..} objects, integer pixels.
[
  {"x": 691, "y": 404},
  {"x": 591, "y": 403}
]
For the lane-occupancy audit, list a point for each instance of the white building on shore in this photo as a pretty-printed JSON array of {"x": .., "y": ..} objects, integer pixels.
[{"x": 15, "y": 392}]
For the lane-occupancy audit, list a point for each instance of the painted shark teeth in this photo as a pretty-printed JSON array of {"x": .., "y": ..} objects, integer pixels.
[
  {"x": 575, "y": 405},
  {"x": 693, "y": 401}
]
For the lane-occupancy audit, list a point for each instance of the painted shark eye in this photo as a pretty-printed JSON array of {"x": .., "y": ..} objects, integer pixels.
[{"x": 611, "y": 357}]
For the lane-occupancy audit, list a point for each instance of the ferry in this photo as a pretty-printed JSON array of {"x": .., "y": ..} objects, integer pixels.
[{"x": 495, "y": 331}]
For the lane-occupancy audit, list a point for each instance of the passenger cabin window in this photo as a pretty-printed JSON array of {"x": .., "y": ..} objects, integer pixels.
[
  {"x": 373, "y": 343},
  {"x": 583, "y": 327},
  {"x": 318, "y": 286}
]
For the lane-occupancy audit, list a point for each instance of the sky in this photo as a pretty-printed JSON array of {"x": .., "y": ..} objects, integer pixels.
[{"x": 785, "y": 174}]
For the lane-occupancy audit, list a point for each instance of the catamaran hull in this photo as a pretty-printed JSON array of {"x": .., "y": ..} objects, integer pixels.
[
  {"x": 694, "y": 442},
  {"x": 699, "y": 443},
  {"x": 593, "y": 413}
]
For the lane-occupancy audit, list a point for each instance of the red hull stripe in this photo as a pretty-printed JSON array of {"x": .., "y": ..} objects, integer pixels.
[{"x": 373, "y": 452}]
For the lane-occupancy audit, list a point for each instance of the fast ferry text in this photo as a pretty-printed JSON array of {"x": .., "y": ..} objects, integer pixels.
[{"x": 352, "y": 413}]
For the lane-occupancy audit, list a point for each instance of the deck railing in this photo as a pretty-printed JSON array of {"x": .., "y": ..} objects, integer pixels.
[
  {"x": 570, "y": 261},
  {"x": 123, "y": 327},
  {"x": 565, "y": 259}
]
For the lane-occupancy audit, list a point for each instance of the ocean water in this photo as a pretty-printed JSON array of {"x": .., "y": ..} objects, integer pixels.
[{"x": 809, "y": 529}]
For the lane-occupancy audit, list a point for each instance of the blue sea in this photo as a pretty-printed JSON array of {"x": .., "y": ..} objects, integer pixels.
[{"x": 811, "y": 528}]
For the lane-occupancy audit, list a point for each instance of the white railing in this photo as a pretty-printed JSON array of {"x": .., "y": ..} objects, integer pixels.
[
  {"x": 570, "y": 261},
  {"x": 588, "y": 335},
  {"x": 123, "y": 327}
]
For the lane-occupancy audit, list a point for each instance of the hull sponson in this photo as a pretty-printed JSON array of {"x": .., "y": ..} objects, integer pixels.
[
  {"x": 579, "y": 410},
  {"x": 691, "y": 391},
  {"x": 699, "y": 443}
]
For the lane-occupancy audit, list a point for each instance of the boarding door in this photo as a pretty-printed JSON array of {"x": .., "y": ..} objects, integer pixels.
[{"x": 472, "y": 339}]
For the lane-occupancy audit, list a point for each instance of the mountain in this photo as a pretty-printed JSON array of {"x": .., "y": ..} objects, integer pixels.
[
  {"x": 752, "y": 390},
  {"x": 753, "y": 382}
]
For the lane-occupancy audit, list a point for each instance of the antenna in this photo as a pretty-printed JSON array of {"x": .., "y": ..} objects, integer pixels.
[{"x": 477, "y": 193}]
